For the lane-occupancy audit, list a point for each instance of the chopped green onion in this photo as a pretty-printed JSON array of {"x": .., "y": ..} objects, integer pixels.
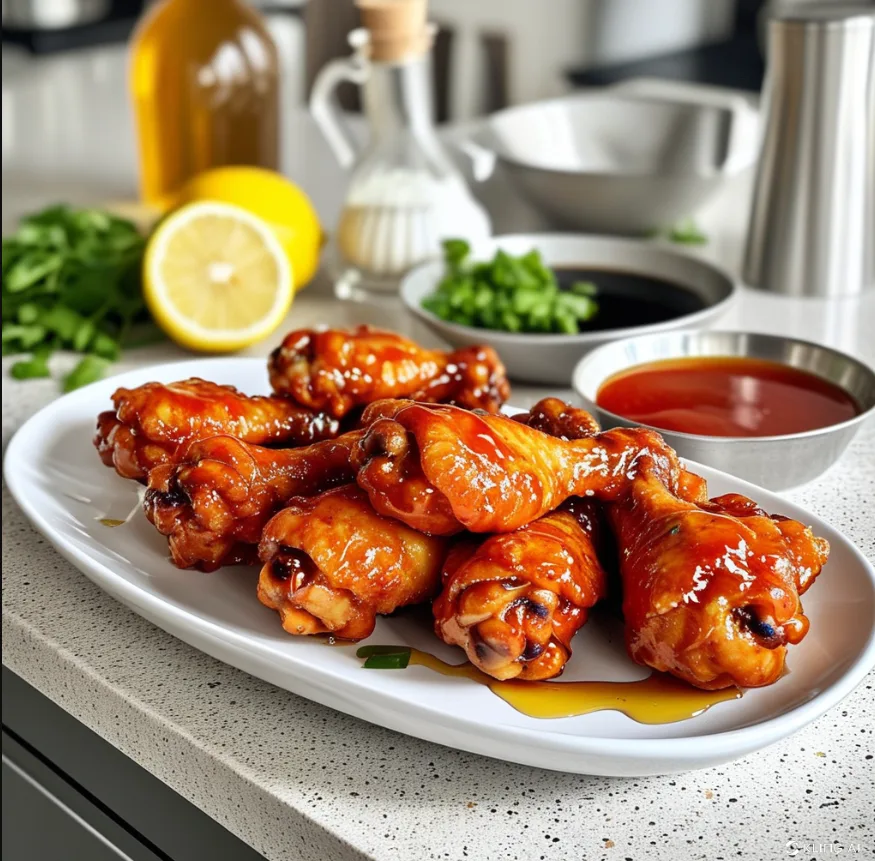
[
  {"x": 384, "y": 657},
  {"x": 388, "y": 662},
  {"x": 367, "y": 651},
  {"x": 687, "y": 233},
  {"x": 584, "y": 288},
  {"x": 507, "y": 293}
]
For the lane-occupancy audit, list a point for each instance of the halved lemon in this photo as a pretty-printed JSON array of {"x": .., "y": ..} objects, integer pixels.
[
  {"x": 216, "y": 278},
  {"x": 272, "y": 197}
]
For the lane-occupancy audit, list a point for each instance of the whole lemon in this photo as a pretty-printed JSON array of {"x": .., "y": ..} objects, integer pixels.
[{"x": 272, "y": 198}]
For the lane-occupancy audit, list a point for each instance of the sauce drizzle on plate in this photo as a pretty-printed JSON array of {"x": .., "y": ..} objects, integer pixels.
[{"x": 658, "y": 699}]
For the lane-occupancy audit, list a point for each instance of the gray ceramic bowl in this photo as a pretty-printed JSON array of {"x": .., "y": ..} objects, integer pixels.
[
  {"x": 774, "y": 462},
  {"x": 550, "y": 359}
]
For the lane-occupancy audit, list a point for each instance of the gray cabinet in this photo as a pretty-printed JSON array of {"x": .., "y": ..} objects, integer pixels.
[
  {"x": 69, "y": 795},
  {"x": 44, "y": 817}
]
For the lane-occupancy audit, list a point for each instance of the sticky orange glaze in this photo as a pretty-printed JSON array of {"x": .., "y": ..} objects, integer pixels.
[
  {"x": 657, "y": 699},
  {"x": 711, "y": 589},
  {"x": 341, "y": 370},
  {"x": 514, "y": 601},
  {"x": 149, "y": 425},
  {"x": 489, "y": 473},
  {"x": 333, "y": 564},
  {"x": 726, "y": 396}
]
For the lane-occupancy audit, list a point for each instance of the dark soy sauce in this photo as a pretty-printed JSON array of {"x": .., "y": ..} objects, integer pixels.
[{"x": 629, "y": 299}]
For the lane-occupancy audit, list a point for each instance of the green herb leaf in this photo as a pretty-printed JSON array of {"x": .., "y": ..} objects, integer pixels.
[
  {"x": 71, "y": 280},
  {"x": 89, "y": 370},
  {"x": 687, "y": 233},
  {"x": 105, "y": 347},
  {"x": 36, "y": 366},
  {"x": 83, "y": 335},
  {"x": 23, "y": 338},
  {"x": 508, "y": 293},
  {"x": 29, "y": 369},
  {"x": 28, "y": 313},
  {"x": 30, "y": 271}
]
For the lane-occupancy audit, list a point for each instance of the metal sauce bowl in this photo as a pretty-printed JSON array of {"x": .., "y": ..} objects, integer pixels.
[{"x": 774, "y": 462}]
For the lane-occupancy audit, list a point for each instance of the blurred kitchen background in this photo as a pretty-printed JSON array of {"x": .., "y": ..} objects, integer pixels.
[{"x": 67, "y": 125}]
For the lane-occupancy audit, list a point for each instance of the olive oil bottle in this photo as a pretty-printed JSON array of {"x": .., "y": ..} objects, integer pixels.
[{"x": 205, "y": 89}]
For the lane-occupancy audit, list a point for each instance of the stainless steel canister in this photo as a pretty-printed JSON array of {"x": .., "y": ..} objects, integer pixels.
[{"x": 812, "y": 226}]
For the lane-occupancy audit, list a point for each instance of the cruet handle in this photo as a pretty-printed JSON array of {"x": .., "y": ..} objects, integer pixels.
[
  {"x": 327, "y": 112},
  {"x": 483, "y": 160}
]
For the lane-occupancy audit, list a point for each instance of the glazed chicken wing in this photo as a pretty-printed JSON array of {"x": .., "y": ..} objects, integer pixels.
[
  {"x": 554, "y": 417},
  {"x": 332, "y": 564},
  {"x": 150, "y": 423},
  {"x": 514, "y": 601},
  {"x": 441, "y": 469},
  {"x": 711, "y": 590},
  {"x": 337, "y": 371},
  {"x": 213, "y": 504}
]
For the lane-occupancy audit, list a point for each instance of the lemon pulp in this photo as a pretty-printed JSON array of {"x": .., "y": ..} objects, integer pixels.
[{"x": 216, "y": 278}]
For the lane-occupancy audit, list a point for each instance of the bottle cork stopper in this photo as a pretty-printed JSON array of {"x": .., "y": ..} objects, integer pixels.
[{"x": 398, "y": 28}]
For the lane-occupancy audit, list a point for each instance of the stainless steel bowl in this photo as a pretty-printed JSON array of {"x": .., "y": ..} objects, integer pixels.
[
  {"x": 775, "y": 462},
  {"x": 617, "y": 163}
]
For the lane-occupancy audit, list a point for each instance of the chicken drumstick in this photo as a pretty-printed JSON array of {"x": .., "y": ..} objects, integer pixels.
[
  {"x": 441, "y": 469},
  {"x": 332, "y": 564},
  {"x": 711, "y": 590},
  {"x": 514, "y": 601},
  {"x": 152, "y": 422},
  {"x": 213, "y": 503},
  {"x": 338, "y": 370}
]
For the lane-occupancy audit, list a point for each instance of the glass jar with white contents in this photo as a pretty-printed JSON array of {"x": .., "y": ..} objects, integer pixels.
[{"x": 405, "y": 195}]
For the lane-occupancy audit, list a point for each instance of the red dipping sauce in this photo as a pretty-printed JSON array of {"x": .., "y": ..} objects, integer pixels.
[{"x": 725, "y": 396}]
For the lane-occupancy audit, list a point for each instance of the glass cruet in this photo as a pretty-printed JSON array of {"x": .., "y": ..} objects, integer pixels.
[{"x": 405, "y": 195}]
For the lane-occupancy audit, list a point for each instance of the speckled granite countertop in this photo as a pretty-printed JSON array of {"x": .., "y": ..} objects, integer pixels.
[{"x": 299, "y": 781}]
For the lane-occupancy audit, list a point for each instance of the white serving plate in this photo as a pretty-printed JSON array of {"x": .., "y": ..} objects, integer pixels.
[{"x": 56, "y": 477}]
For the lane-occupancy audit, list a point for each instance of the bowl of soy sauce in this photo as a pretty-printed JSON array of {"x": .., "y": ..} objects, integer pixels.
[{"x": 637, "y": 287}]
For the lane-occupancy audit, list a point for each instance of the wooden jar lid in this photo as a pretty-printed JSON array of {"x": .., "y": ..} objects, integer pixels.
[{"x": 397, "y": 28}]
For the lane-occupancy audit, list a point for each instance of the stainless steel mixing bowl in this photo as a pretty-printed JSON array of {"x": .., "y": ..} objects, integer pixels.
[
  {"x": 774, "y": 462},
  {"x": 612, "y": 162}
]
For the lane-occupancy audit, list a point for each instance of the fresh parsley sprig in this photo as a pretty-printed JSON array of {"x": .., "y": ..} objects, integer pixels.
[{"x": 71, "y": 280}]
